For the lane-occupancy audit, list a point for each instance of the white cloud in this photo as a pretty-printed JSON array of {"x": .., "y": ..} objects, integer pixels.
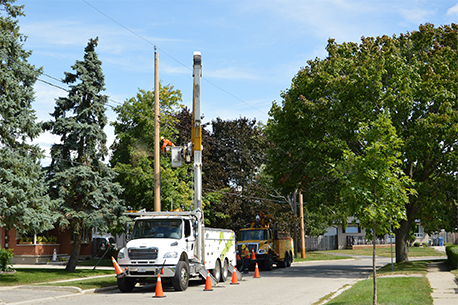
[
  {"x": 453, "y": 11},
  {"x": 416, "y": 15}
]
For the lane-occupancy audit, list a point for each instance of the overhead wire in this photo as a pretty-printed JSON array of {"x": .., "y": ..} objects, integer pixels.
[
  {"x": 225, "y": 147},
  {"x": 171, "y": 57},
  {"x": 101, "y": 167}
]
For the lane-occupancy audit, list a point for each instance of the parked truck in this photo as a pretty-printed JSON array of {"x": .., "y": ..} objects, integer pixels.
[
  {"x": 269, "y": 245},
  {"x": 170, "y": 244}
]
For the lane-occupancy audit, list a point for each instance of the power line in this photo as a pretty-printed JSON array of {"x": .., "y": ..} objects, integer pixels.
[
  {"x": 221, "y": 146},
  {"x": 170, "y": 56}
]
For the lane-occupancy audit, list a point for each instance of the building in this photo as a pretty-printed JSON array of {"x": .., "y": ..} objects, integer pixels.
[{"x": 40, "y": 248}]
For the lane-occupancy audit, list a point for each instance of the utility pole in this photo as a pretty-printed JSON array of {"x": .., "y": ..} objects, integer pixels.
[
  {"x": 157, "y": 156},
  {"x": 301, "y": 212},
  {"x": 196, "y": 146}
]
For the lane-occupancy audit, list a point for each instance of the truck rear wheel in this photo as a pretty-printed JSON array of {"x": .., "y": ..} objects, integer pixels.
[
  {"x": 224, "y": 271},
  {"x": 126, "y": 284},
  {"x": 217, "y": 271},
  {"x": 180, "y": 281},
  {"x": 291, "y": 259}
]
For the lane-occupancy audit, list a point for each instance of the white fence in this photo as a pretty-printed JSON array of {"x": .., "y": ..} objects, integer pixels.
[{"x": 321, "y": 243}]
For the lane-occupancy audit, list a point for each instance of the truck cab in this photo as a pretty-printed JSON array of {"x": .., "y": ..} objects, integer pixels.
[{"x": 169, "y": 244}]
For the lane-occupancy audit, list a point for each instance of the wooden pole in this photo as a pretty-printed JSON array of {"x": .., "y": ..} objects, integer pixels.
[
  {"x": 157, "y": 156},
  {"x": 301, "y": 211}
]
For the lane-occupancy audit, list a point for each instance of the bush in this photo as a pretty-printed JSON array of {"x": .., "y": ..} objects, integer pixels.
[
  {"x": 417, "y": 244},
  {"x": 452, "y": 256},
  {"x": 5, "y": 259},
  {"x": 425, "y": 244}
]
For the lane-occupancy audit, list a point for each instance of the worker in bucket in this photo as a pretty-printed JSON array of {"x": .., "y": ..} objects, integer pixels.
[{"x": 245, "y": 259}]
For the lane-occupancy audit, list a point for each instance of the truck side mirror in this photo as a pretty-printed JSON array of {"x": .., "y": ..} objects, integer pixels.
[{"x": 127, "y": 231}]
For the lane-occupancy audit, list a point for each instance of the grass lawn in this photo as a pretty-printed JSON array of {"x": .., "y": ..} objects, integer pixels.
[
  {"x": 100, "y": 282},
  {"x": 399, "y": 291},
  {"x": 27, "y": 276},
  {"x": 455, "y": 272},
  {"x": 106, "y": 262},
  {"x": 313, "y": 256},
  {"x": 391, "y": 290},
  {"x": 386, "y": 252}
]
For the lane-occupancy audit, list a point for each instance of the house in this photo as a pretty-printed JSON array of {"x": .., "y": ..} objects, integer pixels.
[
  {"x": 354, "y": 236},
  {"x": 439, "y": 238},
  {"x": 40, "y": 248}
]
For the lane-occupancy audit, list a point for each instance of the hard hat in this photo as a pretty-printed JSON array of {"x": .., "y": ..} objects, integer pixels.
[
  {"x": 243, "y": 246},
  {"x": 162, "y": 137}
]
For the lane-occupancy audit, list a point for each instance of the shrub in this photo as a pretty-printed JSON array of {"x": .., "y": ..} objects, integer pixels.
[
  {"x": 452, "y": 256},
  {"x": 417, "y": 244},
  {"x": 425, "y": 244},
  {"x": 5, "y": 259}
]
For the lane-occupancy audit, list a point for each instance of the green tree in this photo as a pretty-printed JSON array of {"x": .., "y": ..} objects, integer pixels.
[
  {"x": 413, "y": 77},
  {"x": 374, "y": 187},
  {"x": 133, "y": 151},
  {"x": 83, "y": 184},
  {"x": 24, "y": 203},
  {"x": 234, "y": 155}
]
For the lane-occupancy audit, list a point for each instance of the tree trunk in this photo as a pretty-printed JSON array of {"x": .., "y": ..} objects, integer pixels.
[
  {"x": 402, "y": 236},
  {"x": 374, "y": 270},
  {"x": 71, "y": 265}
]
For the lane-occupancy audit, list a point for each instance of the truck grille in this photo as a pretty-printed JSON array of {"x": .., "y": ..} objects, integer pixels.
[
  {"x": 143, "y": 253},
  {"x": 250, "y": 247}
]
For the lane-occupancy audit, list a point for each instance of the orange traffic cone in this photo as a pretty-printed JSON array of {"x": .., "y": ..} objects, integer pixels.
[
  {"x": 159, "y": 291},
  {"x": 234, "y": 277},
  {"x": 256, "y": 271},
  {"x": 253, "y": 256},
  {"x": 119, "y": 273},
  {"x": 208, "y": 283}
]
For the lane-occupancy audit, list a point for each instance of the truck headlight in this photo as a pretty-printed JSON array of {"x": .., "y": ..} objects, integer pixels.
[
  {"x": 261, "y": 251},
  {"x": 171, "y": 255},
  {"x": 122, "y": 253}
]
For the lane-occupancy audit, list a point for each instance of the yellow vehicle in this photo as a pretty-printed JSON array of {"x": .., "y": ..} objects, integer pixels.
[{"x": 269, "y": 245}]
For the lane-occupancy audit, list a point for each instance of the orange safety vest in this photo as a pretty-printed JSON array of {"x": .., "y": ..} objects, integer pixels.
[{"x": 245, "y": 253}]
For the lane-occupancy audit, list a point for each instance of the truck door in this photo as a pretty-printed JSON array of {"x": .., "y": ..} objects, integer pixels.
[{"x": 189, "y": 238}]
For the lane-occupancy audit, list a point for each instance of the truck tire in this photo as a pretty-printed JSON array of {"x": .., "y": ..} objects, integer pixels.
[
  {"x": 284, "y": 263},
  {"x": 268, "y": 262},
  {"x": 224, "y": 271},
  {"x": 126, "y": 284},
  {"x": 291, "y": 259},
  {"x": 217, "y": 271},
  {"x": 180, "y": 281}
]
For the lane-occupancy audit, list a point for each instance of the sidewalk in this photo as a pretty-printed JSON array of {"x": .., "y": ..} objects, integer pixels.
[
  {"x": 443, "y": 284},
  {"x": 31, "y": 294}
]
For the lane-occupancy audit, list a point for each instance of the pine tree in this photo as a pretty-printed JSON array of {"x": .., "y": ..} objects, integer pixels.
[
  {"x": 88, "y": 196},
  {"x": 24, "y": 203}
]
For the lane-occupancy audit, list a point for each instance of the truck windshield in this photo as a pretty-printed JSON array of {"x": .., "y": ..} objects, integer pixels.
[
  {"x": 157, "y": 228},
  {"x": 252, "y": 235}
]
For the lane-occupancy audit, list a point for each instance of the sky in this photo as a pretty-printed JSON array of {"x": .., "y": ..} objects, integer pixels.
[{"x": 251, "y": 49}]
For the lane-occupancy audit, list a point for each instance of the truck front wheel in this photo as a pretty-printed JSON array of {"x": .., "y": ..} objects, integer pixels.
[
  {"x": 181, "y": 279},
  {"x": 126, "y": 284},
  {"x": 268, "y": 262}
]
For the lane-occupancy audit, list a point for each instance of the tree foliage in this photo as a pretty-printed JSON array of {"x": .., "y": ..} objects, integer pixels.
[
  {"x": 24, "y": 203},
  {"x": 374, "y": 188},
  {"x": 233, "y": 163},
  {"x": 133, "y": 151},
  {"x": 413, "y": 78},
  {"x": 79, "y": 179}
]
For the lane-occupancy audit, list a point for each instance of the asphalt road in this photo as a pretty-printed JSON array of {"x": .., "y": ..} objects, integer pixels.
[{"x": 302, "y": 283}]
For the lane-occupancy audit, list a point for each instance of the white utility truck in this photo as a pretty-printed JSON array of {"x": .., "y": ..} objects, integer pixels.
[{"x": 170, "y": 244}]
